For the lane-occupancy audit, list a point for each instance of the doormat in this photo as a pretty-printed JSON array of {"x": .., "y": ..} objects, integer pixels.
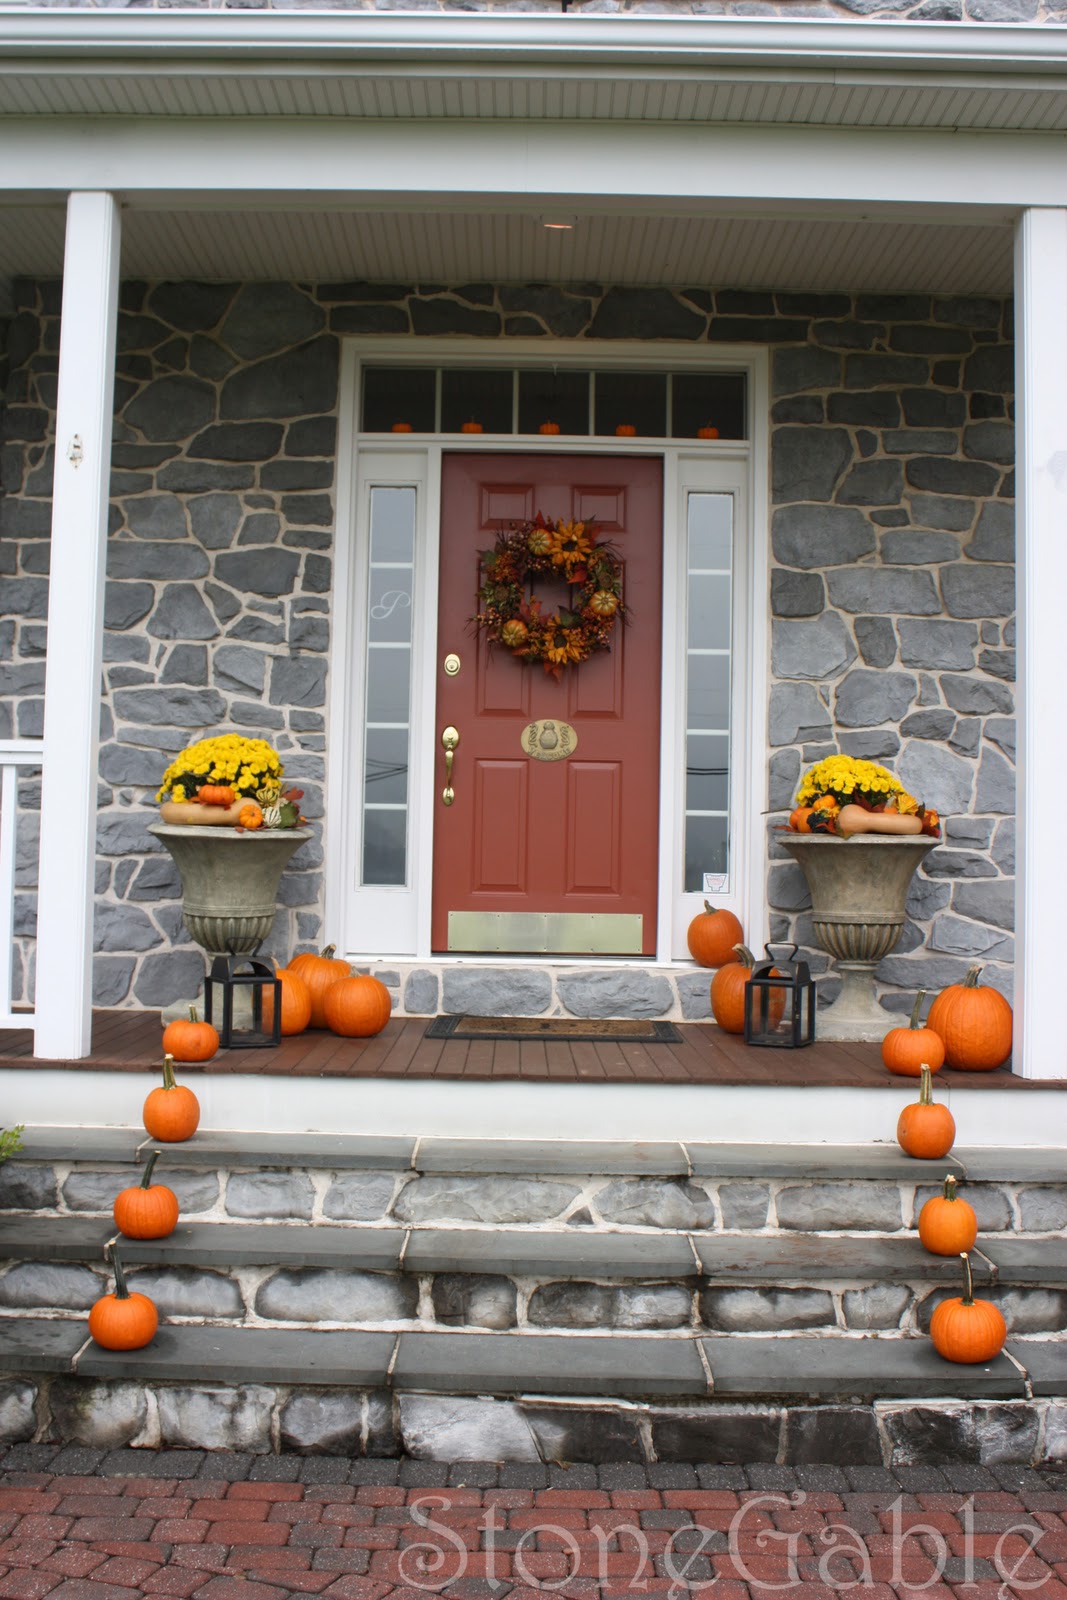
[{"x": 563, "y": 1030}]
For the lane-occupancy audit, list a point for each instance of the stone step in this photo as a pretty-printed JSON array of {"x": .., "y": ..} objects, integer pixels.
[{"x": 588, "y": 1364}]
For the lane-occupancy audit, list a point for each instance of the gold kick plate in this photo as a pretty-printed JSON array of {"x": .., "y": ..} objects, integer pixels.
[{"x": 543, "y": 932}]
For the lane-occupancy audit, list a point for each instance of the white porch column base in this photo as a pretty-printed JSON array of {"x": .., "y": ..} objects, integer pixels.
[
  {"x": 63, "y": 1006},
  {"x": 1040, "y": 1049}
]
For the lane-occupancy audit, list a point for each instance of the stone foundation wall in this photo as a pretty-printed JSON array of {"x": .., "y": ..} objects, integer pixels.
[
  {"x": 907, "y": 10},
  {"x": 892, "y": 588}
]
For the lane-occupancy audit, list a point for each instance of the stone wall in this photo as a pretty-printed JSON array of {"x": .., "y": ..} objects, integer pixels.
[
  {"x": 892, "y": 585},
  {"x": 995, "y": 11}
]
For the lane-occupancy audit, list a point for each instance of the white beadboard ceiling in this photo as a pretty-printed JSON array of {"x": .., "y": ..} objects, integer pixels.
[{"x": 408, "y": 248}]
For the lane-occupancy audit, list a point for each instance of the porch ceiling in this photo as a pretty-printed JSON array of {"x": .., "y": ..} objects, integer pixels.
[{"x": 882, "y": 255}]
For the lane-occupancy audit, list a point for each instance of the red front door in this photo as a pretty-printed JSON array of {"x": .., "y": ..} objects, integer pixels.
[{"x": 539, "y": 855}]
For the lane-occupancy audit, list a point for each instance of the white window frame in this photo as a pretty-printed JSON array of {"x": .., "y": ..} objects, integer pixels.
[{"x": 396, "y": 921}]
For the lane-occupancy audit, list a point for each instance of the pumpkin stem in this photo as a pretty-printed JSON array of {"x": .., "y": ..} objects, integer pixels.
[
  {"x": 149, "y": 1164},
  {"x": 919, "y": 998},
  {"x": 926, "y": 1085},
  {"x": 968, "y": 1281},
  {"x": 168, "y": 1073},
  {"x": 121, "y": 1291},
  {"x": 329, "y": 952},
  {"x": 709, "y": 908},
  {"x": 950, "y": 1187},
  {"x": 192, "y": 1014},
  {"x": 744, "y": 955},
  {"x": 971, "y": 980}
]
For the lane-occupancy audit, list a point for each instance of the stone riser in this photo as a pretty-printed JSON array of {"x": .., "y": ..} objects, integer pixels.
[
  {"x": 544, "y": 989},
  {"x": 265, "y": 1418},
  {"x": 411, "y": 1199},
  {"x": 331, "y": 1298}
]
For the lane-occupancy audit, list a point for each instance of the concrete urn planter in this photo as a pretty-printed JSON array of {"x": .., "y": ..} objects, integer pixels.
[
  {"x": 859, "y": 888},
  {"x": 229, "y": 881}
]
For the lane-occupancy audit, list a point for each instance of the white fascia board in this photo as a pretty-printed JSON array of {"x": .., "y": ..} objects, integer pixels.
[
  {"x": 610, "y": 168},
  {"x": 97, "y": 40}
]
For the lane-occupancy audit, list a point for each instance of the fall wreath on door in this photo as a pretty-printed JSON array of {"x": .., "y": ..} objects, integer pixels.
[{"x": 511, "y": 615}]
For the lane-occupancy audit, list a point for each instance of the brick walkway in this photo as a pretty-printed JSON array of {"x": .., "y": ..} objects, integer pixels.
[{"x": 78, "y": 1524}]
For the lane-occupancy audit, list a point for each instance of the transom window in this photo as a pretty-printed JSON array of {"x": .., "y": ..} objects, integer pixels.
[{"x": 570, "y": 401}]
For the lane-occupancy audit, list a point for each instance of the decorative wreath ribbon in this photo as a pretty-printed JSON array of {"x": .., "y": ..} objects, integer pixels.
[{"x": 511, "y": 616}]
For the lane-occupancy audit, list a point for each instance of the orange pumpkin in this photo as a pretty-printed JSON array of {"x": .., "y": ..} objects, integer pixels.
[
  {"x": 514, "y": 633},
  {"x": 926, "y": 1130},
  {"x": 905, "y": 1049},
  {"x": 471, "y": 427},
  {"x": 215, "y": 794},
  {"x": 799, "y": 819},
  {"x": 707, "y": 433},
  {"x": 250, "y": 816},
  {"x": 358, "y": 1007},
  {"x": 974, "y": 1023},
  {"x": 190, "y": 1040},
  {"x": 296, "y": 1003},
  {"x": 549, "y": 427},
  {"x": 728, "y": 993},
  {"x": 625, "y": 430},
  {"x": 965, "y": 1329},
  {"x": 171, "y": 1114},
  {"x": 146, "y": 1210},
  {"x": 947, "y": 1224},
  {"x": 401, "y": 427},
  {"x": 713, "y": 937},
  {"x": 319, "y": 973},
  {"x": 123, "y": 1321},
  {"x": 603, "y": 603}
]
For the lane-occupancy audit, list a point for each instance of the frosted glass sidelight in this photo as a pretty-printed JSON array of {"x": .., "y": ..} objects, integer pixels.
[
  {"x": 709, "y": 581},
  {"x": 387, "y": 676}
]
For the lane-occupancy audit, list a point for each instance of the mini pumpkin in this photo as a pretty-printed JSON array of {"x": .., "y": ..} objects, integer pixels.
[
  {"x": 319, "y": 972},
  {"x": 514, "y": 633},
  {"x": 905, "y": 1049},
  {"x": 123, "y": 1321},
  {"x": 965, "y": 1329},
  {"x": 358, "y": 1007},
  {"x": 146, "y": 1210},
  {"x": 975, "y": 1024},
  {"x": 603, "y": 603},
  {"x": 947, "y": 1224},
  {"x": 539, "y": 542},
  {"x": 296, "y": 1003},
  {"x": 708, "y": 432},
  {"x": 713, "y": 937},
  {"x": 728, "y": 993},
  {"x": 549, "y": 427},
  {"x": 215, "y": 794},
  {"x": 250, "y": 816},
  {"x": 172, "y": 1113},
  {"x": 926, "y": 1130},
  {"x": 190, "y": 1039},
  {"x": 800, "y": 819},
  {"x": 625, "y": 430}
]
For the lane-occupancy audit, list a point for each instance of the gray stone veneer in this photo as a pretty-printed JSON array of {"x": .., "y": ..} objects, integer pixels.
[
  {"x": 892, "y": 586},
  {"x": 907, "y": 10}
]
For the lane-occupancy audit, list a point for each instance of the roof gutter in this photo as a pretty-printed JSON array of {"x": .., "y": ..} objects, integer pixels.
[{"x": 155, "y": 42}]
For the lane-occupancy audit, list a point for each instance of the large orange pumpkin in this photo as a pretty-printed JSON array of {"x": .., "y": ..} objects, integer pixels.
[
  {"x": 965, "y": 1329},
  {"x": 171, "y": 1114},
  {"x": 905, "y": 1049},
  {"x": 358, "y": 1007},
  {"x": 318, "y": 973},
  {"x": 947, "y": 1224},
  {"x": 123, "y": 1321},
  {"x": 713, "y": 937},
  {"x": 146, "y": 1210},
  {"x": 926, "y": 1130},
  {"x": 974, "y": 1023},
  {"x": 728, "y": 993},
  {"x": 296, "y": 1003}
]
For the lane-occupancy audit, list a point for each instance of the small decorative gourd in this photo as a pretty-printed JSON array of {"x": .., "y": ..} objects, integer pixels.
[
  {"x": 713, "y": 937},
  {"x": 926, "y": 1130},
  {"x": 123, "y": 1321},
  {"x": 172, "y": 1113},
  {"x": 975, "y": 1024},
  {"x": 965, "y": 1329},
  {"x": 146, "y": 1210},
  {"x": 947, "y": 1224},
  {"x": 905, "y": 1049},
  {"x": 190, "y": 1040}
]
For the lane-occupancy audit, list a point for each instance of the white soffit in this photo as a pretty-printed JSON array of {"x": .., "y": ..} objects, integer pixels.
[
  {"x": 201, "y": 62},
  {"x": 404, "y": 248}
]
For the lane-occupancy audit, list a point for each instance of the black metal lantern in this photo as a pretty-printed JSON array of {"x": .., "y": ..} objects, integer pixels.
[
  {"x": 780, "y": 1002},
  {"x": 236, "y": 976}
]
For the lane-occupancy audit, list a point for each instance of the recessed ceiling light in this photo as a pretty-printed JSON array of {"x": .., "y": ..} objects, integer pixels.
[{"x": 561, "y": 224}]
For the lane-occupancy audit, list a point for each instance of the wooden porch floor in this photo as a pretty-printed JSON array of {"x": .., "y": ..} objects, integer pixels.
[{"x": 129, "y": 1041}]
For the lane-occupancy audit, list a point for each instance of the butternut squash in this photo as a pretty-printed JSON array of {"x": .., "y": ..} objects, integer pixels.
[{"x": 854, "y": 819}]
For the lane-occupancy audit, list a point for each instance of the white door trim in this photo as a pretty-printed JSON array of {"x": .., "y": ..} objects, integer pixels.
[{"x": 683, "y": 460}]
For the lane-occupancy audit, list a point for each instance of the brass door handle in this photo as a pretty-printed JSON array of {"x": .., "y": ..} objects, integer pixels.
[{"x": 450, "y": 739}]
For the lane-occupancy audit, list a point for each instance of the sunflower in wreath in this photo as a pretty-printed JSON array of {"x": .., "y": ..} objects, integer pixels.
[{"x": 511, "y": 615}]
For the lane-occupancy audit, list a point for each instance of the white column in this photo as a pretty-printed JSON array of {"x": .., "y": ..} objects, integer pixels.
[
  {"x": 1040, "y": 1049},
  {"x": 63, "y": 1005}
]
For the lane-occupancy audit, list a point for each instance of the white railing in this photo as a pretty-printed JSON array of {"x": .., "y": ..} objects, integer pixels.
[{"x": 14, "y": 754}]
